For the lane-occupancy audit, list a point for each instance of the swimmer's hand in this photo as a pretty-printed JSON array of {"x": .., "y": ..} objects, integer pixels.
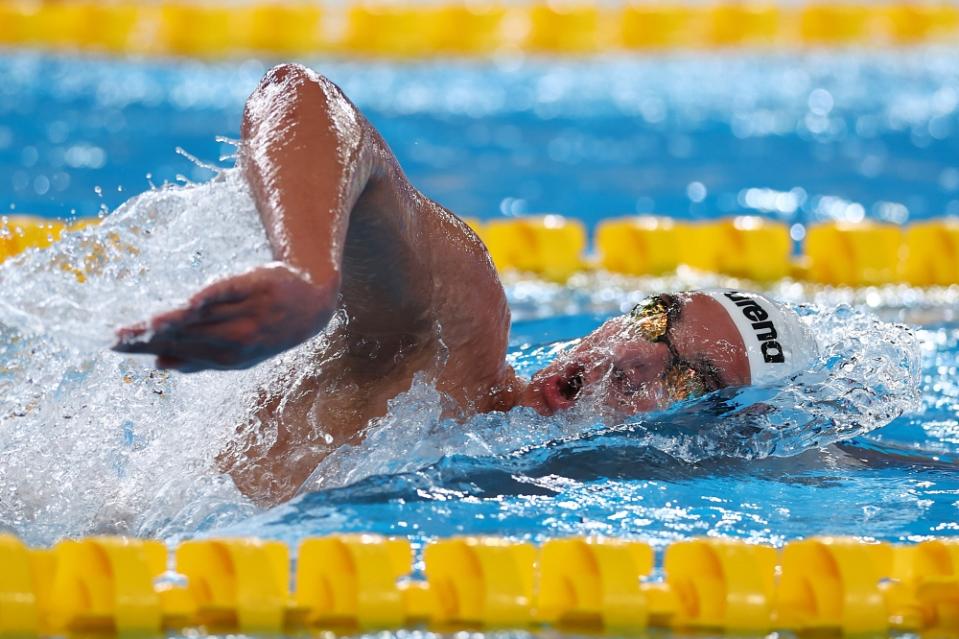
[{"x": 235, "y": 323}]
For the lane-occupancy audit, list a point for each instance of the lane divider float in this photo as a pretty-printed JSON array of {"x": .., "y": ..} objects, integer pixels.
[
  {"x": 410, "y": 30},
  {"x": 349, "y": 582},
  {"x": 866, "y": 253},
  {"x": 858, "y": 254}
]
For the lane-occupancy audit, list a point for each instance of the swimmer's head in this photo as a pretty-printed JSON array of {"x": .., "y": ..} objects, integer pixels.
[{"x": 672, "y": 347}]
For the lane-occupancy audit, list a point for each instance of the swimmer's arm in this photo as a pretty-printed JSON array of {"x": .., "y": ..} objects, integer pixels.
[{"x": 308, "y": 155}]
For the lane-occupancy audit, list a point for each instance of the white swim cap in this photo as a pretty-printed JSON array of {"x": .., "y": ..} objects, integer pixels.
[{"x": 777, "y": 342}]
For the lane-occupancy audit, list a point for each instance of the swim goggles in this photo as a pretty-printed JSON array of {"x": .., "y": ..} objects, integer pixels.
[{"x": 652, "y": 318}]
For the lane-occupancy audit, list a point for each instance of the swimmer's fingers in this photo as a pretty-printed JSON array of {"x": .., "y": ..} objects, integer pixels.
[
  {"x": 190, "y": 357},
  {"x": 220, "y": 302},
  {"x": 235, "y": 336},
  {"x": 136, "y": 338},
  {"x": 194, "y": 347},
  {"x": 129, "y": 336},
  {"x": 184, "y": 366},
  {"x": 197, "y": 316},
  {"x": 131, "y": 339},
  {"x": 175, "y": 364},
  {"x": 228, "y": 291},
  {"x": 235, "y": 323},
  {"x": 165, "y": 321},
  {"x": 224, "y": 312}
]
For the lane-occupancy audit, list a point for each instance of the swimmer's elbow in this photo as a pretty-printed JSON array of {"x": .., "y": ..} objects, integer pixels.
[
  {"x": 291, "y": 94},
  {"x": 291, "y": 79},
  {"x": 283, "y": 72},
  {"x": 296, "y": 107},
  {"x": 272, "y": 99}
]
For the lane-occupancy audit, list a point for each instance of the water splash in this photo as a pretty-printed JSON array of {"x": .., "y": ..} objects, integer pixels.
[
  {"x": 96, "y": 441},
  {"x": 866, "y": 376},
  {"x": 93, "y": 440}
]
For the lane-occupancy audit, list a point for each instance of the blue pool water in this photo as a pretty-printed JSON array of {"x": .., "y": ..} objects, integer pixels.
[
  {"x": 589, "y": 139},
  {"x": 92, "y": 441}
]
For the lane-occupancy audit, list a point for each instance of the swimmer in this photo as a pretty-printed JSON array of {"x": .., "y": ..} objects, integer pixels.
[{"x": 413, "y": 290}]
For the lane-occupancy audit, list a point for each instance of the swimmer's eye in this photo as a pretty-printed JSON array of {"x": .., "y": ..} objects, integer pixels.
[
  {"x": 686, "y": 382},
  {"x": 712, "y": 378}
]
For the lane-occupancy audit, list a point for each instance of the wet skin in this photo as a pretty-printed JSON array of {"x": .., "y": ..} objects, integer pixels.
[
  {"x": 416, "y": 288},
  {"x": 631, "y": 374}
]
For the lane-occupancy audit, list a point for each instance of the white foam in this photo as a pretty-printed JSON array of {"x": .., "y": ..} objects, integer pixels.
[{"x": 94, "y": 440}]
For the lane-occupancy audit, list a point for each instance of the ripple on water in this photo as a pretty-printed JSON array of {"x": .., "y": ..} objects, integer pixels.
[{"x": 93, "y": 440}]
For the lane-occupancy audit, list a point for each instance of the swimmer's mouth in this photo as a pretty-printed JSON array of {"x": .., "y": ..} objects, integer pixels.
[
  {"x": 572, "y": 382},
  {"x": 560, "y": 391}
]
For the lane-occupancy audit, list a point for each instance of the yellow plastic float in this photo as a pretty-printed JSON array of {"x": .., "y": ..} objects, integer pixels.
[
  {"x": 918, "y": 22},
  {"x": 384, "y": 30},
  {"x": 105, "y": 586},
  {"x": 19, "y": 232},
  {"x": 853, "y": 254},
  {"x": 403, "y": 30},
  {"x": 834, "y": 585},
  {"x": 480, "y": 582},
  {"x": 19, "y": 590},
  {"x": 193, "y": 29},
  {"x": 643, "y": 245},
  {"x": 594, "y": 583},
  {"x": 748, "y": 247},
  {"x": 722, "y": 584},
  {"x": 924, "y": 589},
  {"x": 753, "y": 248},
  {"x": 237, "y": 583},
  {"x": 556, "y": 28},
  {"x": 467, "y": 29},
  {"x": 352, "y": 581},
  {"x": 657, "y": 26},
  {"x": 729, "y": 25},
  {"x": 550, "y": 245},
  {"x": 279, "y": 29},
  {"x": 836, "y": 24},
  {"x": 745, "y": 246},
  {"x": 931, "y": 253}
]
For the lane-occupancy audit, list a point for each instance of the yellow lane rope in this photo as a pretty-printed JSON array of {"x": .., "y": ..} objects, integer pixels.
[
  {"x": 349, "y": 582},
  {"x": 865, "y": 253},
  {"x": 402, "y": 30}
]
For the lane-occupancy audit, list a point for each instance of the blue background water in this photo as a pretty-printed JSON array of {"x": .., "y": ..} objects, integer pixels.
[
  {"x": 794, "y": 137},
  {"x": 680, "y": 135},
  {"x": 899, "y": 483}
]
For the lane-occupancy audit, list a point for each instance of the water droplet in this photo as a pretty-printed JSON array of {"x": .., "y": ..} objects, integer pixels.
[{"x": 696, "y": 191}]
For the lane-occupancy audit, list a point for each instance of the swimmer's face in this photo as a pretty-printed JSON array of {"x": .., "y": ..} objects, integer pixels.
[{"x": 619, "y": 371}]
